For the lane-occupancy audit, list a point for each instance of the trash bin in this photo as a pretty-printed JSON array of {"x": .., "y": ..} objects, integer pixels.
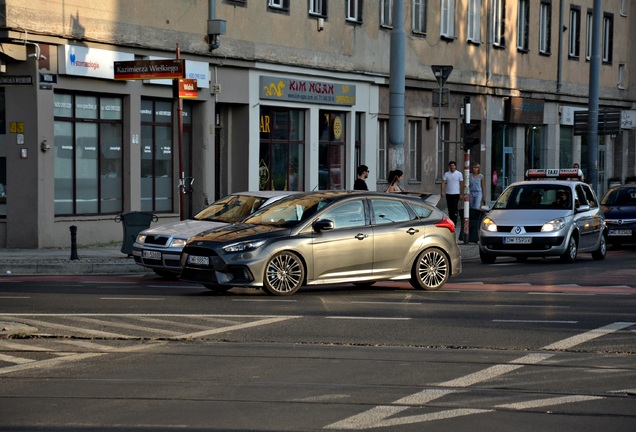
[{"x": 133, "y": 223}]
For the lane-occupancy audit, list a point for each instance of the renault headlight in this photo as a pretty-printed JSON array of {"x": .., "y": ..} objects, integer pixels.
[
  {"x": 488, "y": 225},
  {"x": 244, "y": 246},
  {"x": 553, "y": 225}
]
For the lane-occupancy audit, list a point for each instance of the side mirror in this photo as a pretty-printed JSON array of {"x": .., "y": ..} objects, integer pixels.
[
  {"x": 322, "y": 225},
  {"x": 583, "y": 208}
]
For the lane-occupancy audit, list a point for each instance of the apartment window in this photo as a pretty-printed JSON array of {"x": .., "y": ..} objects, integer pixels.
[
  {"x": 523, "y": 25},
  {"x": 318, "y": 8},
  {"x": 88, "y": 173},
  {"x": 498, "y": 20},
  {"x": 575, "y": 33},
  {"x": 415, "y": 150},
  {"x": 354, "y": 10},
  {"x": 278, "y": 4},
  {"x": 383, "y": 145},
  {"x": 419, "y": 16},
  {"x": 386, "y": 13},
  {"x": 447, "y": 21},
  {"x": 474, "y": 21},
  {"x": 608, "y": 37},
  {"x": 621, "y": 76},
  {"x": 589, "y": 22},
  {"x": 545, "y": 24}
]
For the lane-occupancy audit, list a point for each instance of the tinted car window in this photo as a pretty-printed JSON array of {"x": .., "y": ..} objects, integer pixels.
[
  {"x": 231, "y": 208},
  {"x": 621, "y": 197},
  {"x": 389, "y": 211},
  {"x": 421, "y": 211}
]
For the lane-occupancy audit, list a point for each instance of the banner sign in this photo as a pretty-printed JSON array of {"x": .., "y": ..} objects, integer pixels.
[
  {"x": 293, "y": 90},
  {"x": 149, "y": 69}
]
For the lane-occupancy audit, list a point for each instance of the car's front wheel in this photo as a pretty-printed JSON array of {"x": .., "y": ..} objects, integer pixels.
[
  {"x": 487, "y": 258},
  {"x": 284, "y": 274},
  {"x": 431, "y": 270},
  {"x": 570, "y": 253},
  {"x": 599, "y": 254}
]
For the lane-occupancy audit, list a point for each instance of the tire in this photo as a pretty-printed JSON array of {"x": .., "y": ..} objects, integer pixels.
[
  {"x": 487, "y": 258},
  {"x": 166, "y": 274},
  {"x": 599, "y": 254},
  {"x": 430, "y": 270},
  {"x": 217, "y": 288},
  {"x": 569, "y": 255},
  {"x": 284, "y": 274}
]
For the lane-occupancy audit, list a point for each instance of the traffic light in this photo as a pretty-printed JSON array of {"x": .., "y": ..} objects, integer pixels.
[{"x": 472, "y": 134}]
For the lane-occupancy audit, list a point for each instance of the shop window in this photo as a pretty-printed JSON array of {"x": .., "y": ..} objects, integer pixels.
[
  {"x": 157, "y": 183},
  {"x": 383, "y": 145},
  {"x": 331, "y": 151},
  {"x": 3, "y": 159},
  {"x": 282, "y": 149},
  {"x": 88, "y": 160}
]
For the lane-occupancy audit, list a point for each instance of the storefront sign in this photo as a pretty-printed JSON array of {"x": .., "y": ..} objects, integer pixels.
[
  {"x": 149, "y": 69},
  {"x": 187, "y": 88},
  {"x": 317, "y": 92},
  {"x": 89, "y": 62},
  {"x": 196, "y": 70},
  {"x": 11, "y": 80},
  {"x": 525, "y": 111}
]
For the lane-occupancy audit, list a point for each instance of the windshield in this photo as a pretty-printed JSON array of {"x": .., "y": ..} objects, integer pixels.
[
  {"x": 535, "y": 197},
  {"x": 232, "y": 208},
  {"x": 621, "y": 197},
  {"x": 289, "y": 212}
]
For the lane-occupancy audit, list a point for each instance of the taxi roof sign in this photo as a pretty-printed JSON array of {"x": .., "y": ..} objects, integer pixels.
[{"x": 554, "y": 173}]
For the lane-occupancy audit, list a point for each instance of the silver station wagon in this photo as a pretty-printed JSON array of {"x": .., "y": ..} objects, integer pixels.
[{"x": 544, "y": 218}]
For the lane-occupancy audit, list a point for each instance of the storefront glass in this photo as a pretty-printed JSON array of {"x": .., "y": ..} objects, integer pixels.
[
  {"x": 88, "y": 154},
  {"x": 156, "y": 156},
  {"x": 282, "y": 149},
  {"x": 3, "y": 159},
  {"x": 332, "y": 150}
]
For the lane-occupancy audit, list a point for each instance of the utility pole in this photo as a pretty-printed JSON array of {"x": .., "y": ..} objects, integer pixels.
[
  {"x": 466, "y": 169},
  {"x": 595, "y": 66},
  {"x": 397, "y": 84}
]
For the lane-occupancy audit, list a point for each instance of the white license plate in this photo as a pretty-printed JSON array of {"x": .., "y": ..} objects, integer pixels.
[
  {"x": 151, "y": 255},
  {"x": 517, "y": 240},
  {"x": 198, "y": 260},
  {"x": 620, "y": 232}
]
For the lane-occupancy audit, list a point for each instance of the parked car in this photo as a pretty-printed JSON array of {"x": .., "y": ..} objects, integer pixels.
[
  {"x": 544, "y": 218},
  {"x": 327, "y": 238},
  {"x": 619, "y": 206},
  {"x": 159, "y": 248}
]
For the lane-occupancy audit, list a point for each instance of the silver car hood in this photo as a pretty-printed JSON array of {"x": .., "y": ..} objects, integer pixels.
[
  {"x": 525, "y": 217},
  {"x": 183, "y": 229}
]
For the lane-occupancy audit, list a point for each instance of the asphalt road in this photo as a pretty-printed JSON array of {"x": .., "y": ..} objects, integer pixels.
[{"x": 499, "y": 348}]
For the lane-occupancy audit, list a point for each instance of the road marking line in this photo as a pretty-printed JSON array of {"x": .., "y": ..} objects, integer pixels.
[
  {"x": 233, "y": 327},
  {"x": 368, "y": 318},
  {"x": 535, "y": 321},
  {"x": 534, "y": 306},
  {"x": 395, "y": 303},
  {"x": 121, "y": 325},
  {"x": 16, "y": 360},
  {"x": 47, "y": 363},
  {"x": 75, "y": 329},
  {"x": 133, "y": 298},
  {"x": 547, "y": 402},
  {"x": 379, "y": 415},
  {"x": 14, "y": 297}
]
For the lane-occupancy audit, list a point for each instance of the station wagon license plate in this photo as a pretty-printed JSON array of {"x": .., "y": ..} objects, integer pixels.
[
  {"x": 153, "y": 255},
  {"x": 198, "y": 260},
  {"x": 620, "y": 232},
  {"x": 517, "y": 240}
]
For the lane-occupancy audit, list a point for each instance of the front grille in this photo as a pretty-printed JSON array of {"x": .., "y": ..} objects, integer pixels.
[
  {"x": 508, "y": 229},
  {"x": 157, "y": 240}
]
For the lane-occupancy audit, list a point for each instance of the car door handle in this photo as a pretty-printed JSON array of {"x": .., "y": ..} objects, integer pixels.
[
  {"x": 412, "y": 231},
  {"x": 361, "y": 236}
]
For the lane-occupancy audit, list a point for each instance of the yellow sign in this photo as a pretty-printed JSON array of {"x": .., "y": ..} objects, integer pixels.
[{"x": 16, "y": 127}]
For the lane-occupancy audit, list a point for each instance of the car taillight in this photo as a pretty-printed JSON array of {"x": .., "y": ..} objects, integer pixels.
[{"x": 446, "y": 223}]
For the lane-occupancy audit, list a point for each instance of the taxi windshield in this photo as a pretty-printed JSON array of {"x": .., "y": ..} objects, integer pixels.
[{"x": 535, "y": 197}]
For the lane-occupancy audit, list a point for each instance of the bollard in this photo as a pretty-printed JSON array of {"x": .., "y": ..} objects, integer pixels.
[{"x": 73, "y": 229}]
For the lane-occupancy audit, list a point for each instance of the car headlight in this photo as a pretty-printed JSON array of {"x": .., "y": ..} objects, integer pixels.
[
  {"x": 178, "y": 242},
  {"x": 141, "y": 238},
  {"x": 244, "y": 246},
  {"x": 553, "y": 225},
  {"x": 488, "y": 225}
]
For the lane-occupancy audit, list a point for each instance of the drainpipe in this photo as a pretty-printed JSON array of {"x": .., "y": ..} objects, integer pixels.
[{"x": 216, "y": 27}]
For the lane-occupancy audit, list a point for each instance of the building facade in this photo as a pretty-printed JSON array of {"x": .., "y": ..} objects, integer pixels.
[{"x": 289, "y": 95}]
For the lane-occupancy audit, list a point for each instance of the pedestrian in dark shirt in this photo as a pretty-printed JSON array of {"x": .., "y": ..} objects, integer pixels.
[{"x": 363, "y": 173}]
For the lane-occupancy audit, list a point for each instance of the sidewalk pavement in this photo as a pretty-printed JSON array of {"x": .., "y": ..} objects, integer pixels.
[{"x": 99, "y": 260}]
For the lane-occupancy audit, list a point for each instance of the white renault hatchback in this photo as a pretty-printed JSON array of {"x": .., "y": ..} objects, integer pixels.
[{"x": 544, "y": 217}]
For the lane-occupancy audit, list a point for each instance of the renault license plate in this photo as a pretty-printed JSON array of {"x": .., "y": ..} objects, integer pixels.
[
  {"x": 517, "y": 240},
  {"x": 198, "y": 260}
]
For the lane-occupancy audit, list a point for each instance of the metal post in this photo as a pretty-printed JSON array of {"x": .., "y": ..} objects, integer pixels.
[
  {"x": 397, "y": 85},
  {"x": 182, "y": 185},
  {"x": 73, "y": 229},
  {"x": 466, "y": 170},
  {"x": 595, "y": 66}
]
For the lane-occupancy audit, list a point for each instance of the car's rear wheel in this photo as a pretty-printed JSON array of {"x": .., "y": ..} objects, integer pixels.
[
  {"x": 599, "y": 254},
  {"x": 284, "y": 274},
  {"x": 570, "y": 253},
  {"x": 487, "y": 258},
  {"x": 431, "y": 270},
  {"x": 217, "y": 288}
]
